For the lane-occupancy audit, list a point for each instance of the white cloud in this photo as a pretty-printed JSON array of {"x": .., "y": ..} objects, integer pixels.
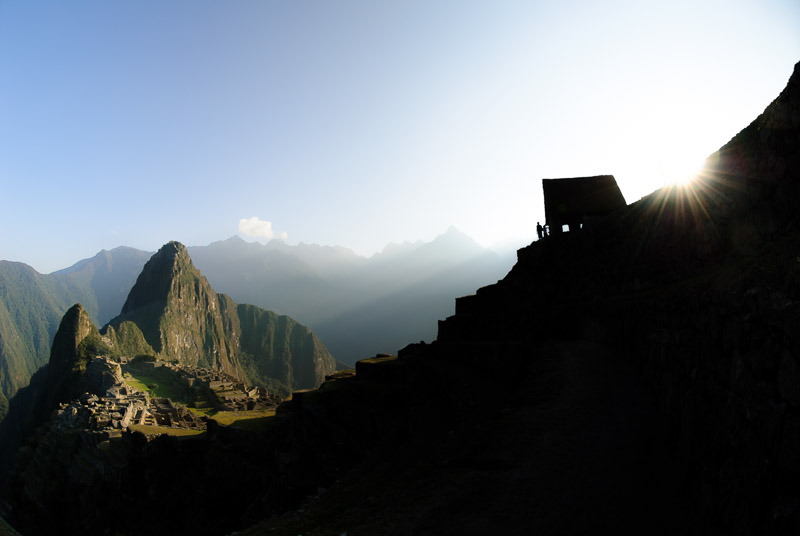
[{"x": 260, "y": 228}]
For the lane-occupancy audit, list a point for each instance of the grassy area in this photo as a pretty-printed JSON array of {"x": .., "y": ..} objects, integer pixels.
[
  {"x": 383, "y": 359},
  {"x": 342, "y": 374},
  {"x": 203, "y": 412},
  {"x": 162, "y": 383},
  {"x": 158, "y": 430},
  {"x": 256, "y": 420},
  {"x": 135, "y": 383},
  {"x": 165, "y": 383}
]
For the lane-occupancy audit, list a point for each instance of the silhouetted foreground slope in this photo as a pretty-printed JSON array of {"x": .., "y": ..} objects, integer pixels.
[
  {"x": 572, "y": 445},
  {"x": 696, "y": 289},
  {"x": 534, "y": 412}
]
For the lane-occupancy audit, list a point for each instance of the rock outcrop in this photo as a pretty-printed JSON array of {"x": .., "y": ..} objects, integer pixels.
[
  {"x": 76, "y": 341},
  {"x": 173, "y": 313},
  {"x": 179, "y": 313}
]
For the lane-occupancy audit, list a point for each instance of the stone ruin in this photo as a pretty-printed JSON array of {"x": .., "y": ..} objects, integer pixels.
[
  {"x": 572, "y": 202},
  {"x": 121, "y": 406},
  {"x": 226, "y": 392}
]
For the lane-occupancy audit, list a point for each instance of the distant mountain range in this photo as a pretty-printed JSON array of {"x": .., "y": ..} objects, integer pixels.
[{"x": 357, "y": 306}]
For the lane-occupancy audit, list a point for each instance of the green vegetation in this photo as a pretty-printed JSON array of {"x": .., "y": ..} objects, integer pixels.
[
  {"x": 3, "y": 406},
  {"x": 204, "y": 411},
  {"x": 148, "y": 430},
  {"x": 137, "y": 383},
  {"x": 161, "y": 382},
  {"x": 257, "y": 420},
  {"x": 127, "y": 340},
  {"x": 276, "y": 347},
  {"x": 374, "y": 360},
  {"x": 342, "y": 374},
  {"x": 252, "y": 370},
  {"x": 92, "y": 345}
]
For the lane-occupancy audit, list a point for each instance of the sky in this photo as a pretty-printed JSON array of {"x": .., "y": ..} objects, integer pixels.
[{"x": 357, "y": 123}]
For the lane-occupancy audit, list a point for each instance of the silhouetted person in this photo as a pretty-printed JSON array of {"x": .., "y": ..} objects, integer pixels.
[
  {"x": 546, "y": 229},
  {"x": 539, "y": 230}
]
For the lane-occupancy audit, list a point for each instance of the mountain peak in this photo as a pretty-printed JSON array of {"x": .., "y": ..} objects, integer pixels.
[
  {"x": 234, "y": 240},
  {"x": 168, "y": 278},
  {"x": 454, "y": 237},
  {"x": 67, "y": 350},
  {"x": 173, "y": 250},
  {"x": 183, "y": 319}
]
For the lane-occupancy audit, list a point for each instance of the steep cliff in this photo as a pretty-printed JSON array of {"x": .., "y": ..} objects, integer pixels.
[
  {"x": 173, "y": 312},
  {"x": 76, "y": 341},
  {"x": 290, "y": 350},
  {"x": 178, "y": 312}
]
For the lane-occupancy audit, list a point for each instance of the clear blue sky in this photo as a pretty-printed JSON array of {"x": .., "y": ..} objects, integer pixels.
[{"x": 357, "y": 123}]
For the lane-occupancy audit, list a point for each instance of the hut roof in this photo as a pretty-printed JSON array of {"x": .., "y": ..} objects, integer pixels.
[{"x": 566, "y": 199}]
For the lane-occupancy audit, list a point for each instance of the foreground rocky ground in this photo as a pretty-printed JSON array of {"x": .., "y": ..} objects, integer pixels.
[{"x": 576, "y": 446}]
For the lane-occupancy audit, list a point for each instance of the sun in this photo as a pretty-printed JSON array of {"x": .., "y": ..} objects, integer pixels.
[{"x": 677, "y": 170}]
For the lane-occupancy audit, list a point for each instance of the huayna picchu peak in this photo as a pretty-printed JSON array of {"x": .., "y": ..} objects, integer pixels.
[
  {"x": 174, "y": 310},
  {"x": 179, "y": 314}
]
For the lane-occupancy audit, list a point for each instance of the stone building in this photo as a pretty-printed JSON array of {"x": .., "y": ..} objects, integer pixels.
[{"x": 569, "y": 203}]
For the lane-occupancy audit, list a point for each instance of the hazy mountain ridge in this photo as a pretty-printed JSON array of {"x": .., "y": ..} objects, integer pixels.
[
  {"x": 111, "y": 275},
  {"x": 357, "y": 306}
]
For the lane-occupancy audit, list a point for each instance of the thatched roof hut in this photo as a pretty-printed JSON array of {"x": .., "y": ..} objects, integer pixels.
[{"x": 572, "y": 201}]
